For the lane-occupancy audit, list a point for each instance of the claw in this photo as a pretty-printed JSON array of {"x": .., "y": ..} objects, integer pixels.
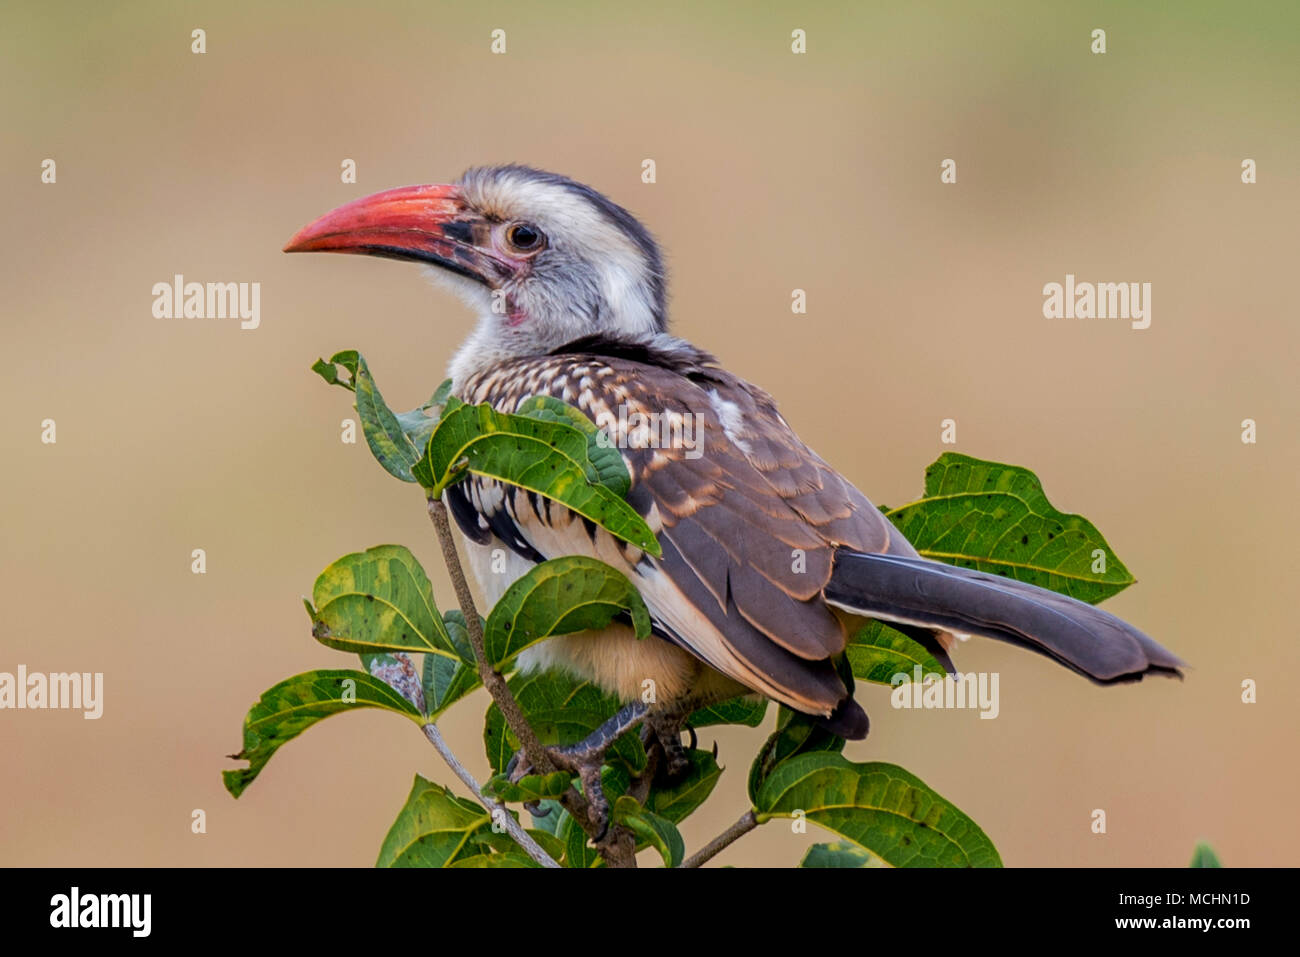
[
  {"x": 585, "y": 759},
  {"x": 667, "y": 731},
  {"x": 597, "y": 803},
  {"x": 677, "y": 766},
  {"x": 592, "y": 749},
  {"x": 517, "y": 767}
]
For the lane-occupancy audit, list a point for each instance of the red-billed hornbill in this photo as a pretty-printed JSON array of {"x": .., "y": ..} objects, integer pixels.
[{"x": 569, "y": 292}]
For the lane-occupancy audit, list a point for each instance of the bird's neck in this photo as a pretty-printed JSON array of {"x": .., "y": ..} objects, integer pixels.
[
  {"x": 482, "y": 350},
  {"x": 491, "y": 344}
]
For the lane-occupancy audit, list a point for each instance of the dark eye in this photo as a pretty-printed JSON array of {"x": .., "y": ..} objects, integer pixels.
[{"x": 525, "y": 237}]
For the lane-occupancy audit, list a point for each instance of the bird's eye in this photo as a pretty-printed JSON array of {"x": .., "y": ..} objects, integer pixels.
[{"x": 525, "y": 237}]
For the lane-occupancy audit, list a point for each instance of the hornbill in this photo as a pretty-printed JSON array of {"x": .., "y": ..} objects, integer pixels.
[{"x": 569, "y": 293}]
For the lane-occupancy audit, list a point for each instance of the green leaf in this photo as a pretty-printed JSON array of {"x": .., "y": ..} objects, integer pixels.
[
  {"x": 795, "y": 734},
  {"x": 615, "y": 779},
  {"x": 294, "y": 705},
  {"x": 547, "y": 841},
  {"x": 577, "y": 852},
  {"x": 384, "y": 434},
  {"x": 447, "y": 680},
  {"x": 877, "y": 652},
  {"x": 504, "y": 859},
  {"x": 677, "y": 801},
  {"x": 749, "y": 710},
  {"x": 604, "y": 463},
  {"x": 560, "y": 597},
  {"x": 839, "y": 854},
  {"x": 562, "y": 710},
  {"x": 378, "y": 600},
  {"x": 487, "y": 841},
  {"x": 996, "y": 518},
  {"x": 329, "y": 371},
  {"x": 529, "y": 788},
  {"x": 650, "y": 829},
  {"x": 1204, "y": 856},
  {"x": 549, "y": 819},
  {"x": 549, "y": 458},
  {"x": 879, "y": 807},
  {"x": 432, "y": 827},
  {"x": 441, "y": 396},
  {"x": 418, "y": 424}
]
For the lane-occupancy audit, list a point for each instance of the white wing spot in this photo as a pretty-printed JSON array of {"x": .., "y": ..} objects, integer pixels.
[{"x": 731, "y": 419}]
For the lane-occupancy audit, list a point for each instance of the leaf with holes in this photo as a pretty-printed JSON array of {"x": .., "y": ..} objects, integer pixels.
[
  {"x": 996, "y": 518},
  {"x": 604, "y": 462},
  {"x": 388, "y": 441},
  {"x": 329, "y": 371}
]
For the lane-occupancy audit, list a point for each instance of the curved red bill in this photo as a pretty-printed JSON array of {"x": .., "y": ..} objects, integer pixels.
[{"x": 425, "y": 223}]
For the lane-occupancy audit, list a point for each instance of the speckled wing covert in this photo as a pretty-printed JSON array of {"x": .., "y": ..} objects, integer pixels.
[{"x": 749, "y": 517}]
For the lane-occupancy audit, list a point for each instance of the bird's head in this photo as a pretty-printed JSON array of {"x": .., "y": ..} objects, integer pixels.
[{"x": 541, "y": 259}]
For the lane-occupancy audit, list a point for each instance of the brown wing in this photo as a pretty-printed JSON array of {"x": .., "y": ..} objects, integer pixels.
[{"x": 748, "y": 516}]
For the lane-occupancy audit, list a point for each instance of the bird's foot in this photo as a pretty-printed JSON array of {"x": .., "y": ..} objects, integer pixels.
[
  {"x": 666, "y": 729},
  {"x": 585, "y": 760}
]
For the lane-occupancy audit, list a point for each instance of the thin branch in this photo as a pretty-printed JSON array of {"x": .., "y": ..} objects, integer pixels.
[
  {"x": 616, "y": 847},
  {"x": 738, "y": 830},
  {"x": 512, "y": 826},
  {"x": 492, "y": 680},
  {"x": 398, "y": 672}
]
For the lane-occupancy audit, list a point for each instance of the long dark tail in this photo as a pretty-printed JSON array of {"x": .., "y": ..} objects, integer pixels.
[{"x": 927, "y": 595}]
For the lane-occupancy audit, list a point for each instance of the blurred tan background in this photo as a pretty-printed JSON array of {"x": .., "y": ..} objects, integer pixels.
[{"x": 775, "y": 171}]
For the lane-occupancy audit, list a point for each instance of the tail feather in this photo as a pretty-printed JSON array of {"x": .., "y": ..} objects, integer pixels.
[{"x": 919, "y": 593}]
